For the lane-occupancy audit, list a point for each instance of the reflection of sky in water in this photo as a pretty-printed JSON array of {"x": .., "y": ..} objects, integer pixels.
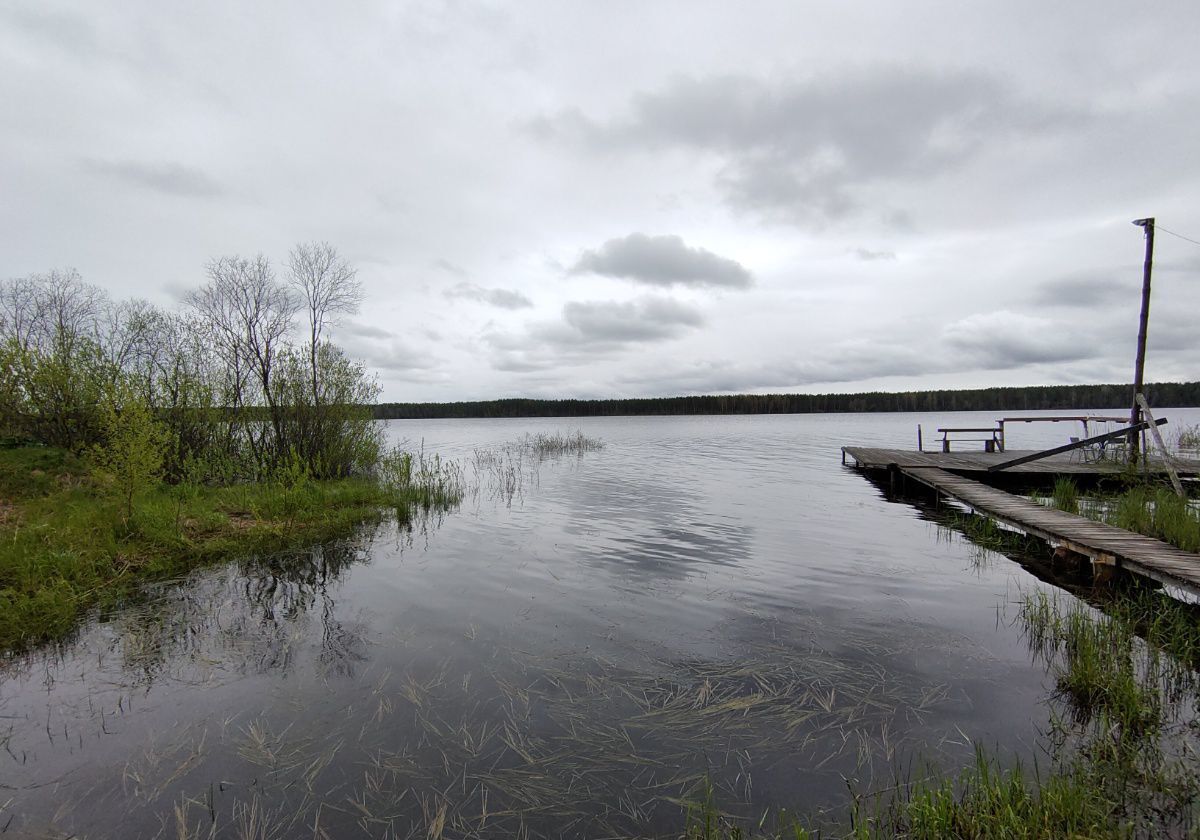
[{"x": 705, "y": 598}]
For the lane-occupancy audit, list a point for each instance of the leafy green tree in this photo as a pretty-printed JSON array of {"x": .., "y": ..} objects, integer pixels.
[
  {"x": 332, "y": 429},
  {"x": 131, "y": 457}
]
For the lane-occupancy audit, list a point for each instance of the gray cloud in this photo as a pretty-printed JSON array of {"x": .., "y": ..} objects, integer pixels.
[
  {"x": 1172, "y": 330},
  {"x": 74, "y": 35},
  {"x": 867, "y": 255},
  {"x": 662, "y": 261},
  {"x": 396, "y": 357},
  {"x": 806, "y": 147},
  {"x": 1086, "y": 290},
  {"x": 847, "y": 362},
  {"x": 450, "y": 268},
  {"x": 168, "y": 178},
  {"x": 647, "y": 319},
  {"x": 590, "y": 330},
  {"x": 502, "y": 298},
  {"x": 990, "y": 160},
  {"x": 1001, "y": 340},
  {"x": 383, "y": 350},
  {"x": 354, "y": 328}
]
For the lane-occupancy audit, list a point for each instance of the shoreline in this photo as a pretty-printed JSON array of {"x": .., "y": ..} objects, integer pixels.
[{"x": 67, "y": 549}]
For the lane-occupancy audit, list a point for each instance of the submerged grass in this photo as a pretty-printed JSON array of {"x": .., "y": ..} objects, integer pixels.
[
  {"x": 66, "y": 547},
  {"x": 1122, "y": 758}
]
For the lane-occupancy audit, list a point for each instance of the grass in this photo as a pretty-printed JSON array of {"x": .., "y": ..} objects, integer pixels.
[
  {"x": 1066, "y": 495},
  {"x": 65, "y": 547},
  {"x": 1096, "y": 663},
  {"x": 983, "y": 801},
  {"x": 556, "y": 444},
  {"x": 986, "y": 800},
  {"x": 1188, "y": 438},
  {"x": 1156, "y": 512},
  {"x": 1144, "y": 509}
]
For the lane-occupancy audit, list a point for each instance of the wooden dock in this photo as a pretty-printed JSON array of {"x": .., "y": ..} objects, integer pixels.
[
  {"x": 953, "y": 475},
  {"x": 873, "y": 458},
  {"x": 1104, "y": 545}
]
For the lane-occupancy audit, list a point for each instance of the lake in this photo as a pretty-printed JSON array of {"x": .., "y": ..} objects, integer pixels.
[{"x": 706, "y": 603}]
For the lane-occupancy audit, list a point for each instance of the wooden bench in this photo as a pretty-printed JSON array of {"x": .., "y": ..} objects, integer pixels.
[{"x": 974, "y": 433}]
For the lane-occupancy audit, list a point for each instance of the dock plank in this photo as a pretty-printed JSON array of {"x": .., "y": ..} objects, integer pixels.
[{"x": 1101, "y": 542}]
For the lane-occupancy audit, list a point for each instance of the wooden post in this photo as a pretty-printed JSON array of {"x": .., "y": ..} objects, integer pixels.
[
  {"x": 1175, "y": 482},
  {"x": 1135, "y": 415},
  {"x": 920, "y": 444}
]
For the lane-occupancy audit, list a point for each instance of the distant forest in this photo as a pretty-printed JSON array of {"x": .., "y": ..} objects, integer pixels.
[{"x": 1035, "y": 397}]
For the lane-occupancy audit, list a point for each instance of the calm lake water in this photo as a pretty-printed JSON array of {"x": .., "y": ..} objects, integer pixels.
[{"x": 707, "y": 600}]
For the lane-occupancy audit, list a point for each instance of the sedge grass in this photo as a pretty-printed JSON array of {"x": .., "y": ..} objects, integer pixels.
[
  {"x": 1157, "y": 512},
  {"x": 557, "y": 444}
]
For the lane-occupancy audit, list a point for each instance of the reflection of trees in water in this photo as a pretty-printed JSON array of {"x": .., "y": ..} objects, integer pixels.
[{"x": 246, "y": 617}]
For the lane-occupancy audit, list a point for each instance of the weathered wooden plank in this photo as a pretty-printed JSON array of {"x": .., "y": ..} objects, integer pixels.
[{"x": 1098, "y": 540}]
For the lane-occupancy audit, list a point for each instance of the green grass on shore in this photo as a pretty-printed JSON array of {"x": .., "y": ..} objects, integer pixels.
[{"x": 65, "y": 547}]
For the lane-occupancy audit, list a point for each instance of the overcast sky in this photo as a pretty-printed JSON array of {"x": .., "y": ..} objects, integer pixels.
[{"x": 630, "y": 198}]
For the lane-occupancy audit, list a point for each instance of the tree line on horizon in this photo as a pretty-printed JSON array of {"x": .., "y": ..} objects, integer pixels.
[{"x": 1022, "y": 398}]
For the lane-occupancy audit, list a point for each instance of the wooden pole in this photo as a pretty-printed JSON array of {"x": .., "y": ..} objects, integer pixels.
[
  {"x": 1135, "y": 415},
  {"x": 1166, "y": 456}
]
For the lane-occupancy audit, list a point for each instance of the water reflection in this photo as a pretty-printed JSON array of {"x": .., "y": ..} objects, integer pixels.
[{"x": 651, "y": 531}]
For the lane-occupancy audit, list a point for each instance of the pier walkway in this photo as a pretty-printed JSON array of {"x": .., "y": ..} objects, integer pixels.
[
  {"x": 953, "y": 475},
  {"x": 874, "y": 458},
  {"x": 1104, "y": 544}
]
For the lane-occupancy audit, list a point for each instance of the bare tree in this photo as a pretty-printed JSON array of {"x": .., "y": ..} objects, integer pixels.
[
  {"x": 69, "y": 309},
  {"x": 51, "y": 312},
  {"x": 249, "y": 315},
  {"x": 19, "y": 310},
  {"x": 329, "y": 287}
]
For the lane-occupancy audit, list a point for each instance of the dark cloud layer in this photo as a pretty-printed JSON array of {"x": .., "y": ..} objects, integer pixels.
[
  {"x": 662, "y": 261},
  {"x": 806, "y": 147}
]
